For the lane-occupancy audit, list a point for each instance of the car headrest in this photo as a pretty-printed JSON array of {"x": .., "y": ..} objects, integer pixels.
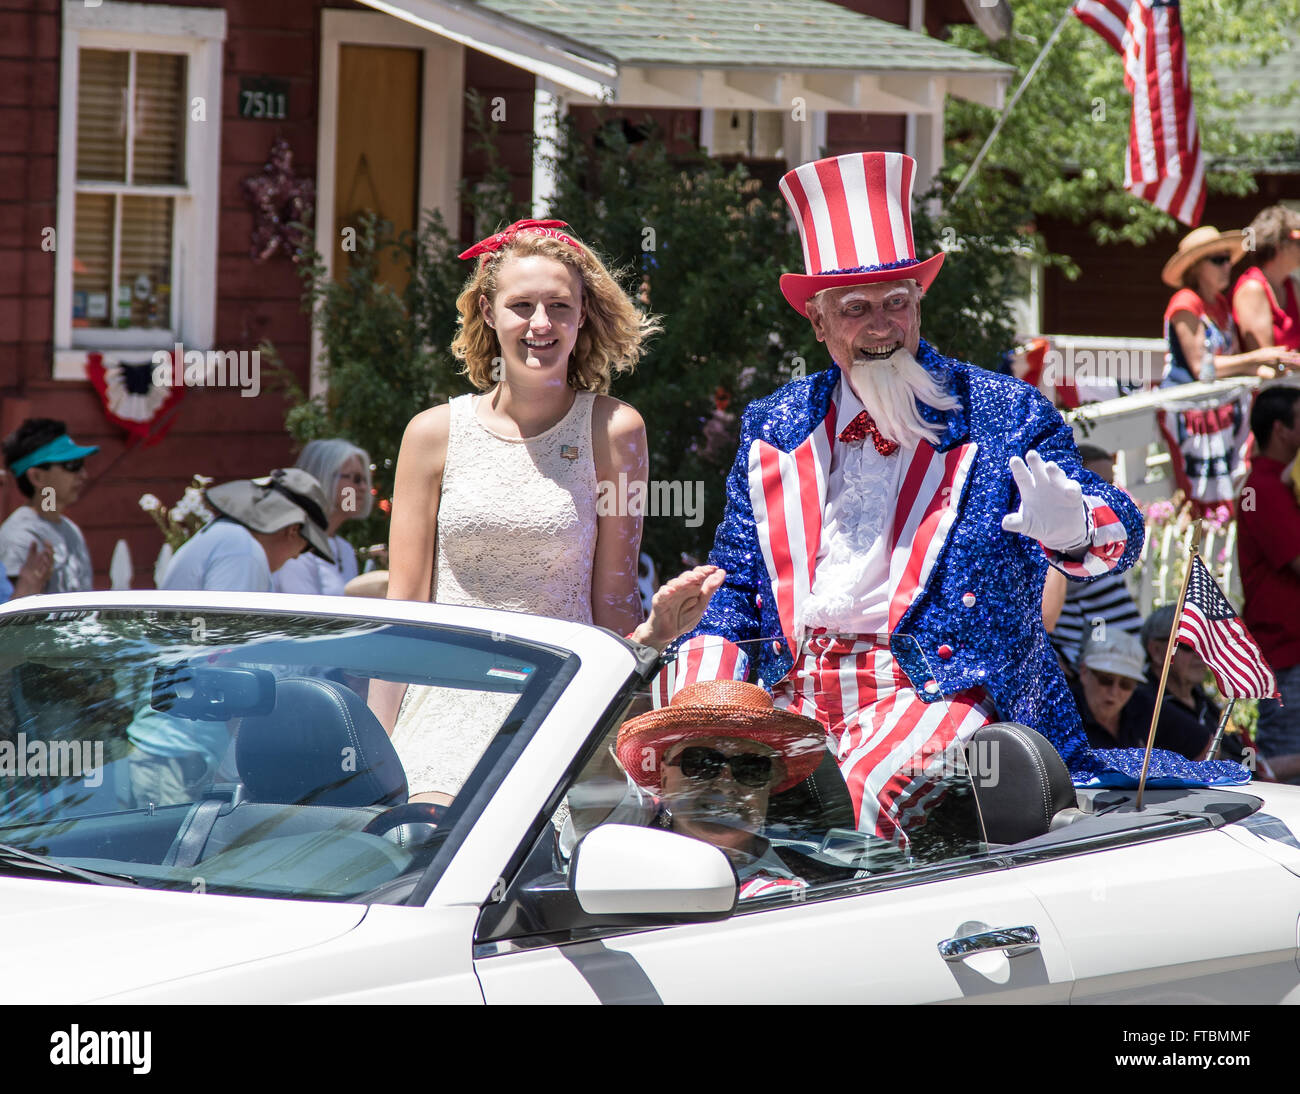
[
  {"x": 1020, "y": 781},
  {"x": 321, "y": 745},
  {"x": 817, "y": 804}
]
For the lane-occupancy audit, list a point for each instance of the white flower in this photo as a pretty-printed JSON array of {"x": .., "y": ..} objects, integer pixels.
[
  {"x": 149, "y": 503},
  {"x": 203, "y": 480}
]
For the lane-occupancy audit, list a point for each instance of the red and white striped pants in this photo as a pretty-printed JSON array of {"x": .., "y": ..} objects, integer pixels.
[{"x": 892, "y": 747}]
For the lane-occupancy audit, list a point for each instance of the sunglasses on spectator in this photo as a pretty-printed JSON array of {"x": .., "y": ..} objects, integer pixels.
[
  {"x": 1109, "y": 680},
  {"x": 699, "y": 762},
  {"x": 71, "y": 466},
  {"x": 1220, "y": 260}
]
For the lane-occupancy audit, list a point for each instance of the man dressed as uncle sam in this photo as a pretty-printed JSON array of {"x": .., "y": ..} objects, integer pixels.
[{"x": 890, "y": 521}]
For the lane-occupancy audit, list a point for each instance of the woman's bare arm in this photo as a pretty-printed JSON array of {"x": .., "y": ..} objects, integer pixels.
[
  {"x": 1254, "y": 315},
  {"x": 413, "y": 530},
  {"x": 1258, "y": 362},
  {"x": 620, "y": 449}
]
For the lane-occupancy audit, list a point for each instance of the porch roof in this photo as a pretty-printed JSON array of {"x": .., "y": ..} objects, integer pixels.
[{"x": 723, "y": 54}]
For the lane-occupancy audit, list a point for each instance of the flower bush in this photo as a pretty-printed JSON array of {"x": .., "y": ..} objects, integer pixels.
[{"x": 184, "y": 518}]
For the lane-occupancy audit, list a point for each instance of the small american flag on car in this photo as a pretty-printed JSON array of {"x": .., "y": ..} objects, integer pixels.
[{"x": 1213, "y": 630}]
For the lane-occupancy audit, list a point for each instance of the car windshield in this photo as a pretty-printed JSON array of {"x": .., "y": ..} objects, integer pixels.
[{"x": 235, "y": 752}]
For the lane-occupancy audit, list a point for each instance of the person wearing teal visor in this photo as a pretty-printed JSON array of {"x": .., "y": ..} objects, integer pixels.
[{"x": 49, "y": 468}]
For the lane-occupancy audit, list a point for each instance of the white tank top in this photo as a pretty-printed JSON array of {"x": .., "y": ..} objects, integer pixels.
[{"x": 517, "y": 516}]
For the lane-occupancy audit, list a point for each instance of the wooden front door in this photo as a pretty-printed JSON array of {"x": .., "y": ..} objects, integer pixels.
[{"x": 377, "y": 158}]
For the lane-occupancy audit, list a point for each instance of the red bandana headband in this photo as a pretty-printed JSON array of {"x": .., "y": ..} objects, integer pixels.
[{"x": 495, "y": 242}]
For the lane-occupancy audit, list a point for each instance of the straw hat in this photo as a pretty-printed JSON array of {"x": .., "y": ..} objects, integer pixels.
[
  {"x": 1198, "y": 244},
  {"x": 720, "y": 708}
]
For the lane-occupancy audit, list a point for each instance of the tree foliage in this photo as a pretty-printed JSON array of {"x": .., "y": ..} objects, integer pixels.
[{"x": 1063, "y": 147}]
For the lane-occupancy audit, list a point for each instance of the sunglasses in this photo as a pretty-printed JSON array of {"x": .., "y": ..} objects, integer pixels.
[
  {"x": 1220, "y": 260},
  {"x": 699, "y": 762},
  {"x": 1107, "y": 680},
  {"x": 71, "y": 466}
]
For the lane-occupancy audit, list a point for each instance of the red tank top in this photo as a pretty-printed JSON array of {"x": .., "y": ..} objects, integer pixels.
[{"x": 1286, "y": 324}]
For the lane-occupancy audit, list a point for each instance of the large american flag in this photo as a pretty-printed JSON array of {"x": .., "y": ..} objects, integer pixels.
[
  {"x": 1165, "y": 165},
  {"x": 1214, "y": 631}
]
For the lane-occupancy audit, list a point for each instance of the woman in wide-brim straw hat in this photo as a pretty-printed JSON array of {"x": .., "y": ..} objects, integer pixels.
[
  {"x": 1202, "y": 338},
  {"x": 721, "y": 710}
]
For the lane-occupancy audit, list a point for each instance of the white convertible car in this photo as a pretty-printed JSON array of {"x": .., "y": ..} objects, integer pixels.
[{"x": 197, "y": 804}]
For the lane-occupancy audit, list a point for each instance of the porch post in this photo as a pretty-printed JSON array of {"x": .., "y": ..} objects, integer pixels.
[{"x": 549, "y": 106}]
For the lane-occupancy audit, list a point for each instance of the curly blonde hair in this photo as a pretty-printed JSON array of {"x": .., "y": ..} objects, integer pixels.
[{"x": 609, "y": 341}]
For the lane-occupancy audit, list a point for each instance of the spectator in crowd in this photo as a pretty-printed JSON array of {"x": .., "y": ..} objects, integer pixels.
[
  {"x": 261, "y": 524},
  {"x": 1110, "y": 670},
  {"x": 343, "y": 470},
  {"x": 1185, "y": 694},
  {"x": 1073, "y": 609},
  {"x": 1261, "y": 319},
  {"x": 1268, "y": 553},
  {"x": 1199, "y": 330},
  {"x": 49, "y": 468}
]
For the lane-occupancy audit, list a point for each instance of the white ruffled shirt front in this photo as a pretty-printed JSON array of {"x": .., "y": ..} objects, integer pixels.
[{"x": 850, "y": 592}]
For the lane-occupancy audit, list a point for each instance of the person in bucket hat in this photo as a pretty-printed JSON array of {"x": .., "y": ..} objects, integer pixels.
[
  {"x": 890, "y": 519},
  {"x": 260, "y": 525},
  {"x": 713, "y": 758}
]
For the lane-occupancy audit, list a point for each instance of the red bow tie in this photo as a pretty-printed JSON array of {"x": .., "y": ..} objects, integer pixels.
[{"x": 862, "y": 427}]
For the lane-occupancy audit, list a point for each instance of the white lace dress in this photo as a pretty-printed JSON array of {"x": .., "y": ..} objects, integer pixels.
[{"x": 516, "y": 530}]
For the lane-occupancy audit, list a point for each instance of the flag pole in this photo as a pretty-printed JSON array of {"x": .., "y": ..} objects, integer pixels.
[
  {"x": 1015, "y": 98},
  {"x": 1215, "y": 744},
  {"x": 1169, "y": 656}
]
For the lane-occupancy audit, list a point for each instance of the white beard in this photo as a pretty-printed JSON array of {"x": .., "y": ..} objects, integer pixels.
[{"x": 890, "y": 390}]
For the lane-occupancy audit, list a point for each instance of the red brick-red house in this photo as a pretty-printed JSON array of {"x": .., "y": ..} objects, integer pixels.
[{"x": 127, "y": 131}]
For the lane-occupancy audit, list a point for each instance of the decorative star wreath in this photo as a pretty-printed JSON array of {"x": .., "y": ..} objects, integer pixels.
[{"x": 279, "y": 199}]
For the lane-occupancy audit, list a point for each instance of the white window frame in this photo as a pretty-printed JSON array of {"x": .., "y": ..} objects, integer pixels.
[{"x": 198, "y": 33}]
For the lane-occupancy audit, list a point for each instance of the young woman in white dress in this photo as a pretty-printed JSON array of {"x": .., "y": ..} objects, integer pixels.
[{"x": 495, "y": 496}]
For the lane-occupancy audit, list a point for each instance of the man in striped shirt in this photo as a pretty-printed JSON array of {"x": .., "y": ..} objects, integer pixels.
[{"x": 1071, "y": 611}]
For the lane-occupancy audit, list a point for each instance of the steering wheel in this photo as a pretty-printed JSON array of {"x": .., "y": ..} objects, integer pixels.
[{"x": 410, "y": 813}]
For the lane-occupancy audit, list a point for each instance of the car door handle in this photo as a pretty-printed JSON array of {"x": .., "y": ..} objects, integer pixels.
[{"x": 1012, "y": 940}]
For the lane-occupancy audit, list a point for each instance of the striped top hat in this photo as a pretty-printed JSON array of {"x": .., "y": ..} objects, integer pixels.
[{"x": 854, "y": 215}]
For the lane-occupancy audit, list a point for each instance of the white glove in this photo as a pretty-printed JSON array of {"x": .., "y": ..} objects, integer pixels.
[{"x": 1051, "y": 505}]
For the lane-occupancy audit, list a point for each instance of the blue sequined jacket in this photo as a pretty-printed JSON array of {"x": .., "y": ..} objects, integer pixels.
[{"x": 972, "y": 616}]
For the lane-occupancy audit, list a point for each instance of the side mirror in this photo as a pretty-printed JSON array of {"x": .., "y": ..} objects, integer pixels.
[{"x": 632, "y": 876}]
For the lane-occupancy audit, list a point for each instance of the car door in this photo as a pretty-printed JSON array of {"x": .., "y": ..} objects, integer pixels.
[
  {"x": 1195, "y": 917},
  {"x": 862, "y": 918},
  {"x": 880, "y": 946}
]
